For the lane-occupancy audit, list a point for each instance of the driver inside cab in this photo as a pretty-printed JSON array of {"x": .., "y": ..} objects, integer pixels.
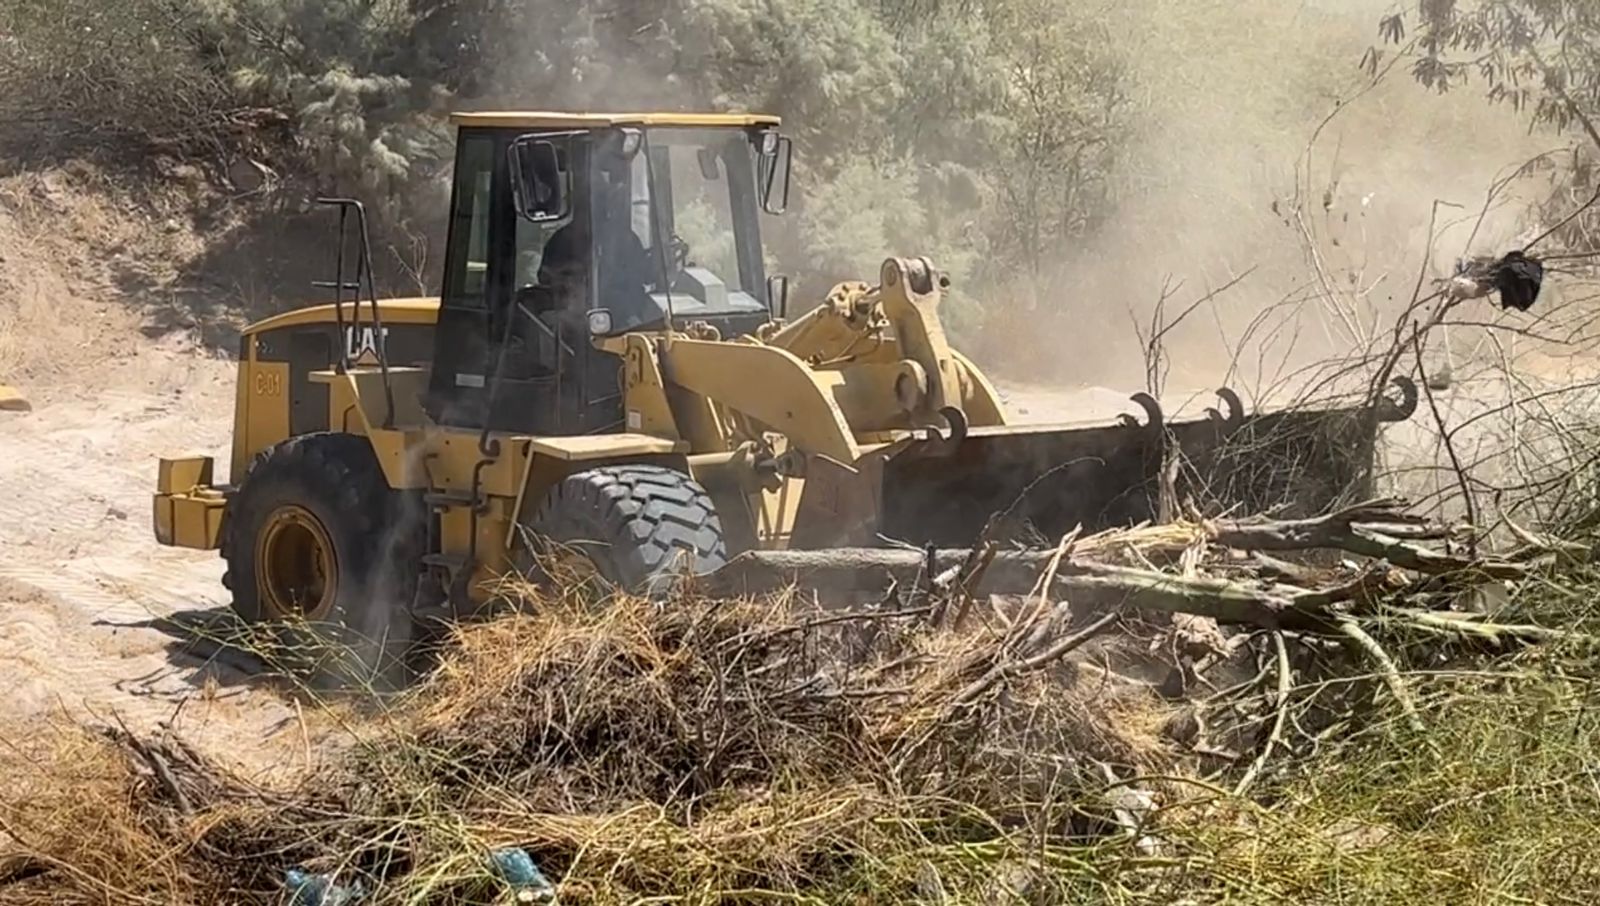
[{"x": 626, "y": 269}]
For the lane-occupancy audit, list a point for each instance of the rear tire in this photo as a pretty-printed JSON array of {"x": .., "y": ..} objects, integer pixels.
[
  {"x": 640, "y": 525},
  {"x": 323, "y": 552}
]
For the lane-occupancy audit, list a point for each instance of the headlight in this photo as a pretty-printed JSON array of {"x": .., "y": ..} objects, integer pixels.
[
  {"x": 599, "y": 322},
  {"x": 769, "y": 142}
]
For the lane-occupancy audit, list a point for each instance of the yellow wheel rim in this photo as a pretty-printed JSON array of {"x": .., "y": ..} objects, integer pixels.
[{"x": 296, "y": 570}]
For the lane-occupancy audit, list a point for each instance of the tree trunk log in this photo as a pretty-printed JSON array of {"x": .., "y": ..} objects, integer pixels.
[
  {"x": 1367, "y": 529},
  {"x": 1095, "y": 586}
]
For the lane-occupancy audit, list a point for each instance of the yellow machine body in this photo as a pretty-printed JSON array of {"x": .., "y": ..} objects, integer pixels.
[
  {"x": 850, "y": 424},
  {"x": 830, "y": 397},
  {"x": 12, "y": 400}
]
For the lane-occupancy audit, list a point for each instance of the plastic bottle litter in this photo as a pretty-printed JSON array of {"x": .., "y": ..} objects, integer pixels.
[
  {"x": 306, "y": 889},
  {"x": 514, "y": 866}
]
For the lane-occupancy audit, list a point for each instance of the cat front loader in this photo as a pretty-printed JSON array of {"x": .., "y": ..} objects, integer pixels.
[{"x": 609, "y": 371}]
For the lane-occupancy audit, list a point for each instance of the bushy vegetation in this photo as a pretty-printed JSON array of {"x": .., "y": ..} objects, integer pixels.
[{"x": 982, "y": 134}]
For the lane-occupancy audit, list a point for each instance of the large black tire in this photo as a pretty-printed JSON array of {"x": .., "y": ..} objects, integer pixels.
[
  {"x": 641, "y": 526},
  {"x": 322, "y": 551}
]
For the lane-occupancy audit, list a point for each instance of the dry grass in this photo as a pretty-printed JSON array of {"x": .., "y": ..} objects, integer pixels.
[
  {"x": 697, "y": 749},
  {"x": 743, "y": 751}
]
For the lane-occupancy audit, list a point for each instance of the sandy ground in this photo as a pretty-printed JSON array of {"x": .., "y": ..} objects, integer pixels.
[{"x": 86, "y": 592}]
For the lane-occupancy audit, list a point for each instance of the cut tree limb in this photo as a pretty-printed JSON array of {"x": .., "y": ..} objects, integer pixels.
[
  {"x": 1367, "y": 529},
  {"x": 1373, "y": 529},
  {"x": 1286, "y": 597},
  {"x": 1317, "y": 531},
  {"x": 1410, "y": 556},
  {"x": 1275, "y": 737},
  {"x": 1368, "y": 647},
  {"x": 1087, "y": 584}
]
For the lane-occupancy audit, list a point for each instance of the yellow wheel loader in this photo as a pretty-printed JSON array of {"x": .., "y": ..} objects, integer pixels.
[{"x": 609, "y": 369}]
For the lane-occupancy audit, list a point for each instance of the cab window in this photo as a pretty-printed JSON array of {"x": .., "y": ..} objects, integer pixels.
[{"x": 467, "y": 277}]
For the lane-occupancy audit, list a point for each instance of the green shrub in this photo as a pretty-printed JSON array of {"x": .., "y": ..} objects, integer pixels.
[{"x": 980, "y": 135}]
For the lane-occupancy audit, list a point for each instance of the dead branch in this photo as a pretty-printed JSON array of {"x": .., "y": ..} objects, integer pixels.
[
  {"x": 1055, "y": 652},
  {"x": 1330, "y": 531},
  {"x": 1450, "y": 448},
  {"x": 158, "y": 766},
  {"x": 1422, "y": 560},
  {"x": 1369, "y": 648},
  {"x": 1369, "y": 529},
  {"x": 1088, "y": 585},
  {"x": 1472, "y": 627},
  {"x": 1275, "y": 737}
]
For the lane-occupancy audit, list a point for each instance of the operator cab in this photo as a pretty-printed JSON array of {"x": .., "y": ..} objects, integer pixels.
[{"x": 569, "y": 227}]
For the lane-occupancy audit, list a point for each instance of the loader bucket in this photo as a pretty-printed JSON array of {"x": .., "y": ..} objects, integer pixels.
[
  {"x": 1302, "y": 461},
  {"x": 1049, "y": 479}
]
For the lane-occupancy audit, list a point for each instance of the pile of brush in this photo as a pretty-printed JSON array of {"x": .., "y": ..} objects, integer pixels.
[
  {"x": 942, "y": 744},
  {"x": 634, "y": 750}
]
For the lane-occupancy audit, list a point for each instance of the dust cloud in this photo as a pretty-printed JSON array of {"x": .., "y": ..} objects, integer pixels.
[{"x": 1230, "y": 95}]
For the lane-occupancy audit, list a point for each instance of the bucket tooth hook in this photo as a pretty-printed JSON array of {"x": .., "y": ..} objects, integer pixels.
[
  {"x": 939, "y": 444},
  {"x": 1154, "y": 420},
  {"x": 1398, "y": 411},
  {"x": 957, "y": 420},
  {"x": 1234, "y": 420}
]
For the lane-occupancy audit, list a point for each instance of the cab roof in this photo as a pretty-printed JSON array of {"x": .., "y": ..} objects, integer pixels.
[{"x": 536, "y": 119}]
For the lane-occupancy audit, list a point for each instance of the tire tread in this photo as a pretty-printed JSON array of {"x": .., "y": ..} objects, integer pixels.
[{"x": 644, "y": 514}]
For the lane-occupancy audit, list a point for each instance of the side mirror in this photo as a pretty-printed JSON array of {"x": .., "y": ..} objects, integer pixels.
[
  {"x": 536, "y": 180},
  {"x": 710, "y": 165},
  {"x": 777, "y": 153},
  {"x": 778, "y": 296}
]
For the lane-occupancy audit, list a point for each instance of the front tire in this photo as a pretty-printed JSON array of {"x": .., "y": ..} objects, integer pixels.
[
  {"x": 321, "y": 550},
  {"x": 640, "y": 526}
]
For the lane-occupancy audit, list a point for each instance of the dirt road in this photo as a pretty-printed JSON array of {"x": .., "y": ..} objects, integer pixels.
[{"x": 84, "y": 588}]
